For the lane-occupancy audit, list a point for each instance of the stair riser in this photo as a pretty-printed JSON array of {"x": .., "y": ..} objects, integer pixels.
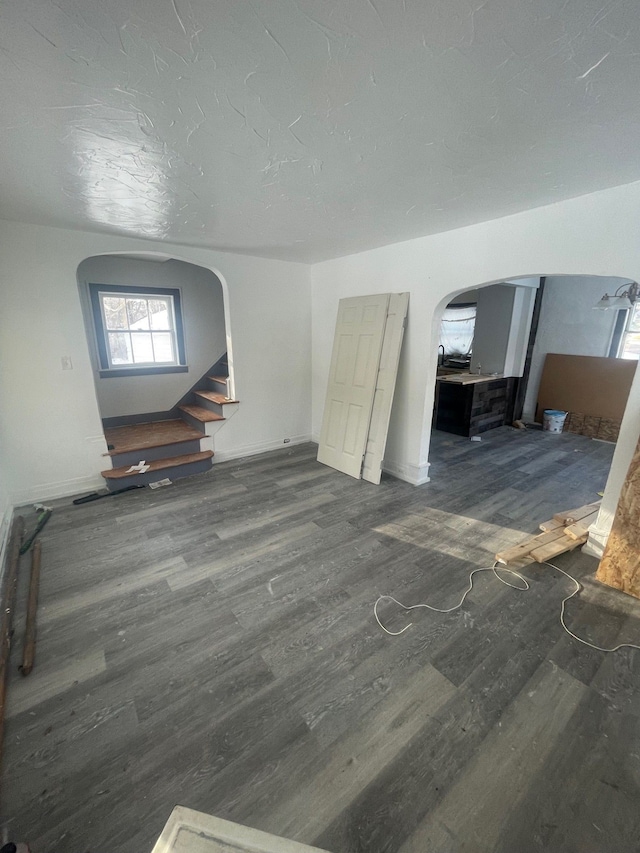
[
  {"x": 194, "y": 422},
  {"x": 174, "y": 473},
  {"x": 218, "y": 387},
  {"x": 210, "y": 405},
  {"x": 150, "y": 454}
]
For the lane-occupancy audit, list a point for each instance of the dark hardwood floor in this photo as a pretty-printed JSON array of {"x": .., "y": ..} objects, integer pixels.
[{"x": 212, "y": 644}]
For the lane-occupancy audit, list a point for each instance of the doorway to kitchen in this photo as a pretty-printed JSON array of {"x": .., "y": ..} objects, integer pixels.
[{"x": 484, "y": 335}]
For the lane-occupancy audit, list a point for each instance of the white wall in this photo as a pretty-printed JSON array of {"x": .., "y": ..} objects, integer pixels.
[
  {"x": 569, "y": 325},
  {"x": 516, "y": 356},
  {"x": 493, "y": 328},
  {"x": 589, "y": 235},
  {"x": 469, "y": 296},
  {"x": 49, "y": 419},
  {"x": 203, "y": 322},
  {"x": 502, "y": 330},
  {"x": 502, "y": 325}
]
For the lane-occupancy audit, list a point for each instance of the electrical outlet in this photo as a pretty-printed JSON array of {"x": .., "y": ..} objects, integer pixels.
[
  {"x": 287, "y": 440},
  {"x": 67, "y": 364}
]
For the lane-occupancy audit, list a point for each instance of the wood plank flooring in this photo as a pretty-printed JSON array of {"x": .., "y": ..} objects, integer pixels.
[
  {"x": 213, "y": 644},
  {"x": 140, "y": 436}
]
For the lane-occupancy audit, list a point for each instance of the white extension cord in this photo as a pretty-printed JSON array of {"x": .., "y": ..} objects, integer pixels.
[{"x": 495, "y": 568}]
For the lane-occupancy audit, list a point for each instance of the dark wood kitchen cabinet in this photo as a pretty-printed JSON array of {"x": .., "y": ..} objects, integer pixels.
[{"x": 474, "y": 408}]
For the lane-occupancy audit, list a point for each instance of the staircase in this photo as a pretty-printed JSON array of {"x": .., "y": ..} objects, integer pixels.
[{"x": 176, "y": 447}]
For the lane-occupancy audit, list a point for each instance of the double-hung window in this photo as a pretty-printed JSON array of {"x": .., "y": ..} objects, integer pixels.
[{"x": 138, "y": 330}]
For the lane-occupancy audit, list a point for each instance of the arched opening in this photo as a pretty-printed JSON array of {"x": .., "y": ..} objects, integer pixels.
[
  {"x": 537, "y": 344},
  {"x": 159, "y": 341}
]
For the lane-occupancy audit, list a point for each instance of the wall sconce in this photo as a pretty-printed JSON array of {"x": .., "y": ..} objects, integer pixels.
[{"x": 620, "y": 301}]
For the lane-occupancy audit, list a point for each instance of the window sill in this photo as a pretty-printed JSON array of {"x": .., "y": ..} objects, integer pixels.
[{"x": 142, "y": 371}]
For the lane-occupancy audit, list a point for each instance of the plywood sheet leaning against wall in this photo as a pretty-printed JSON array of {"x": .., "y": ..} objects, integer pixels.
[
  {"x": 592, "y": 389},
  {"x": 620, "y": 565}
]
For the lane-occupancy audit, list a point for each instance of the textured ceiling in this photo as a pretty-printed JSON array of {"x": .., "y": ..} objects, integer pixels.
[{"x": 307, "y": 129}]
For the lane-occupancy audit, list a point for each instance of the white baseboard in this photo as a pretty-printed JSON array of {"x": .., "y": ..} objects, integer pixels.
[
  {"x": 63, "y": 489},
  {"x": 596, "y": 542},
  {"x": 260, "y": 447},
  {"x": 66, "y": 488},
  {"x": 417, "y": 475}
]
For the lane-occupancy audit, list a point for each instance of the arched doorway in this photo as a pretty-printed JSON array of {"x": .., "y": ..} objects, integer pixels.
[
  {"x": 567, "y": 325},
  {"x": 158, "y": 339}
]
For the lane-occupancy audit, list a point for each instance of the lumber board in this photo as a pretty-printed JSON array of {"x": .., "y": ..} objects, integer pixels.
[
  {"x": 581, "y": 528},
  {"x": 557, "y": 547},
  {"x": 557, "y": 537},
  {"x": 620, "y": 565},
  {"x": 570, "y": 516},
  {"x": 29, "y": 647},
  {"x": 517, "y": 563},
  {"x": 525, "y": 548},
  {"x": 552, "y": 524}
]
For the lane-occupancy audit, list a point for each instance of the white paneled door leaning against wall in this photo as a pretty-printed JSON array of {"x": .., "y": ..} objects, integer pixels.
[{"x": 364, "y": 363}]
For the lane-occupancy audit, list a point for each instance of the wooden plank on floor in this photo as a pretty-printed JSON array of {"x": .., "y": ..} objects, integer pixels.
[
  {"x": 581, "y": 528},
  {"x": 552, "y": 524},
  {"x": 570, "y": 516},
  {"x": 557, "y": 547},
  {"x": 527, "y": 547}
]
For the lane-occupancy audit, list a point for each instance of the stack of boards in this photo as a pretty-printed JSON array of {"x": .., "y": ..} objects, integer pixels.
[{"x": 564, "y": 532}]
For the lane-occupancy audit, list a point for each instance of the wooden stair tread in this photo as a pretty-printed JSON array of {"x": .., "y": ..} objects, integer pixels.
[
  {"x": 134, "y": 437},
  {"x": 214, "y": 397},
  {"x": 201, "y": 414},
  {"x": 158, "y": 464},
  {"x": 222, "y": 379}
]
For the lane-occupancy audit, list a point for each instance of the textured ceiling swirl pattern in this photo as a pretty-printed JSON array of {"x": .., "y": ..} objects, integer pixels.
[{"x": 308, "y": 129}]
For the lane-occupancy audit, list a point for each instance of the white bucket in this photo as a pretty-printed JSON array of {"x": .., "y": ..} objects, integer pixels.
[{"x": 553, "y": 420}]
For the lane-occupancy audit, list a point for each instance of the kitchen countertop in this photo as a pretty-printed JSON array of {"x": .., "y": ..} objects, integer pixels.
[{"x": 468, "y": 378}]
